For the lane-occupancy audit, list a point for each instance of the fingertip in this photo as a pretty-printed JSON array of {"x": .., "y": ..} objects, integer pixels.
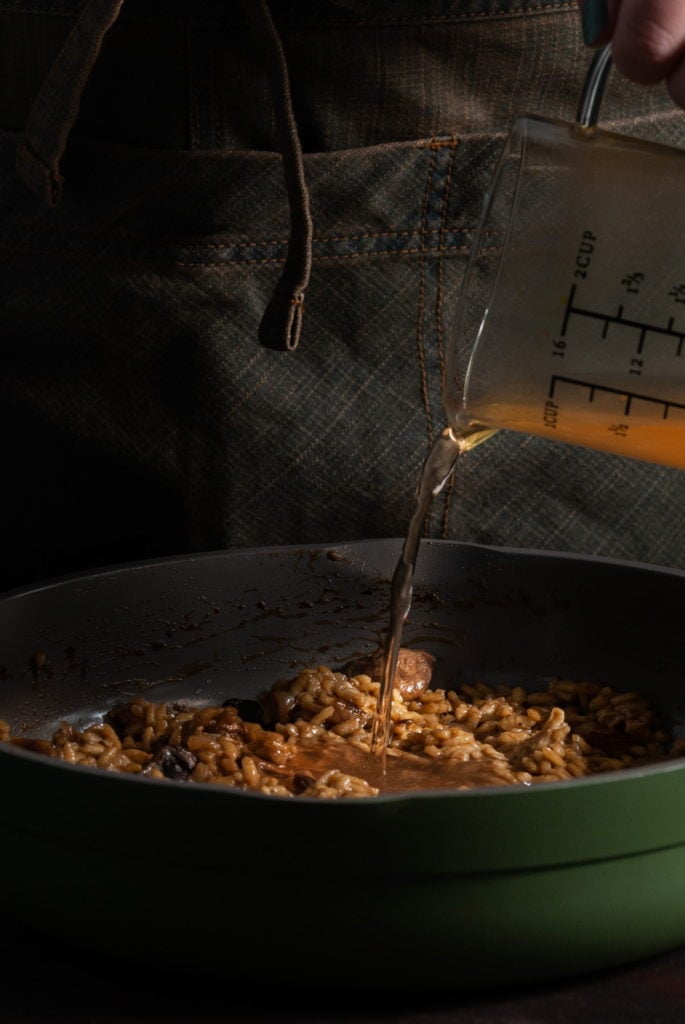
[{"x": 648, "y": 39}]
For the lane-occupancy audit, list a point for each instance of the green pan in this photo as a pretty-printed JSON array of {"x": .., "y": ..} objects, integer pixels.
[{"x": 434, "y": 890}]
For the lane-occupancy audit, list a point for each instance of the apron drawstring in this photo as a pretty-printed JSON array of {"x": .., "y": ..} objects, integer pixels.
[
  {"x": 56, "y": 108},
  {"x": 282, "y": 320}
]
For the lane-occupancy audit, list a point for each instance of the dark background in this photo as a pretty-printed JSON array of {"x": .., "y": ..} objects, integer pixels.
[{"x": 43, "y": 983}]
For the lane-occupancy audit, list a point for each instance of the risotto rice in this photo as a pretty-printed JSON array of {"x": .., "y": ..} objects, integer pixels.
[{"x": 313, "y": 737}]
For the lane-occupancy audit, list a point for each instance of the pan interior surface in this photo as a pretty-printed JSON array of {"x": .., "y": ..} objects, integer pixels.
[{"x": 229, "y": 624}]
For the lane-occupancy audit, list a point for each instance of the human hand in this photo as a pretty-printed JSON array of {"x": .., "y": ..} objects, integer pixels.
[{"x": 647, "y": 39}]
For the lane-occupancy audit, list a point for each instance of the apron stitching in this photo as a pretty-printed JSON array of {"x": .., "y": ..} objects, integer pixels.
[
  {"x": 420, "y": 348},
  {"x": 439, "y": 324},
  {"x": 320, "y": 239},
  {"x": 443, "y": 155},
  {"x": 554, "y": 6},
  {"x": 418, "y": 251},
  {"x": 440, "y": 270},
  {"x": 428, "y": 241},
  {"x": 269, "y": 260},
  {"x": 503, "y": 13}
]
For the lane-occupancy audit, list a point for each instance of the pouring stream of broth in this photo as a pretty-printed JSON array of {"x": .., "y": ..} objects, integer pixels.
[{"x": 437, "y": 469}]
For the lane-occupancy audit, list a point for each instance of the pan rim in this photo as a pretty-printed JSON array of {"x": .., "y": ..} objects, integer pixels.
[{"x": 427, "y": 542}]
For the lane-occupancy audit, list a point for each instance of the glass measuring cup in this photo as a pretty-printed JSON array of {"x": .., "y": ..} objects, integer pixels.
[{"x": 572, "y": 314}]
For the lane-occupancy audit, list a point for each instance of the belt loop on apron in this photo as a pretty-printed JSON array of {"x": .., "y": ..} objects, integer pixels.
[{"x": 56, "y": 107}]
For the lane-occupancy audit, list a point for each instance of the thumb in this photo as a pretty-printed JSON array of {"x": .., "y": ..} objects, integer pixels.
[{"x": 649, "y": 39}]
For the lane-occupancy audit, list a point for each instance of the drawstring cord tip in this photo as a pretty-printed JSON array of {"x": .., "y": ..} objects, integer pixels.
[{"x": 281, "y": 323}]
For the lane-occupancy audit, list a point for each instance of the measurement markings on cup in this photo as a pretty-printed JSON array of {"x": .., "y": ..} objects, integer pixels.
[
  {"x": 607, "y": 319},
  {"x": 629, "y": 396}
]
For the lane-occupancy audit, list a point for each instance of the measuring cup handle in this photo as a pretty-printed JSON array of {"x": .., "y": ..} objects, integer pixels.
[{"x": 593, "y": 88}]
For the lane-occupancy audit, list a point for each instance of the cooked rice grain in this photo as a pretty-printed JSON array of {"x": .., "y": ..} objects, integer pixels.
[{"x": 321, "y": 717}]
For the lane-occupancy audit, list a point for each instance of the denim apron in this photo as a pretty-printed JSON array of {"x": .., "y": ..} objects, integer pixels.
[{"x": 147, "y": 228}]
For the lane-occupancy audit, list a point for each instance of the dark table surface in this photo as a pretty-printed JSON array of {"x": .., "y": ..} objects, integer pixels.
[{"x": 47, "y": 982}]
